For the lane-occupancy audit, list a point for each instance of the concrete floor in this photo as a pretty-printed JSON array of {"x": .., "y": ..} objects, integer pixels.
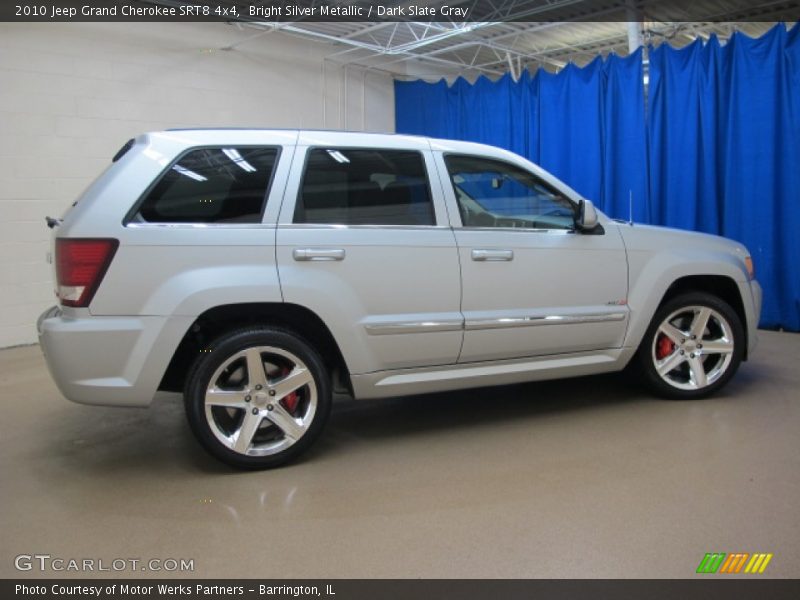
[{"x": 579, "y": 478}]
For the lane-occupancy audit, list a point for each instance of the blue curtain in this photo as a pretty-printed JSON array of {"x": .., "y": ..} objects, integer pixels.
[
  {"x": 571, "y": 126},
  {"x": 715, "y": 147},
  {"x": 507, "y": 111},
  {"x": 586, "y": 126},
  {"x": 724, "y": 126}
]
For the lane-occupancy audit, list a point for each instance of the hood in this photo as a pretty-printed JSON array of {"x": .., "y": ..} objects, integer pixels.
[{"x": 651, "y": 237}]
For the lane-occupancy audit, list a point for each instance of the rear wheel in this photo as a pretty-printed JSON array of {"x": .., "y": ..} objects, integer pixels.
[
  {"x": 259, "y": 398},
  {"x": 692, "y": 348}
]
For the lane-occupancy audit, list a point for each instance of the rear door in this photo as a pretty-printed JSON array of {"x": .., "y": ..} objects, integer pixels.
[{"x": 364, "y": 241}]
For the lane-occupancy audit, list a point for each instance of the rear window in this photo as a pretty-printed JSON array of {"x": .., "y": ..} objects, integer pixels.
[
  {"x": 355, "y": 186},
  {"x": 212, "y": 185}
]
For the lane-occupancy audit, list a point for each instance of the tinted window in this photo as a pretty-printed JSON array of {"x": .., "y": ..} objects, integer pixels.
[
  {"x": 364, "y": 187},
  {"x": 493, "y": 193},
  {"x": 212, "y": 185}
]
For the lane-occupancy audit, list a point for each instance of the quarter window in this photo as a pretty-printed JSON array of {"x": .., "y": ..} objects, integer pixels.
[
  {"x": 492, "y": 193},
  {"x": 364, "y": 187},
  {"x": 212, "y": 185}
]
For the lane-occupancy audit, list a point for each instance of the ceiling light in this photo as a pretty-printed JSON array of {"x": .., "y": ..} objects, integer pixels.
[
  {"x": 188, "y": 173},
  {"x": 234, "y": 155},
  {"x": 338, "y": 156}
]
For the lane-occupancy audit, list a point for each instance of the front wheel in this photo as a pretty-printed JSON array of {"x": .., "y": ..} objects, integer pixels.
[
  {"x": 259, "y": 398},
  {"x": 692, "y": 348}
]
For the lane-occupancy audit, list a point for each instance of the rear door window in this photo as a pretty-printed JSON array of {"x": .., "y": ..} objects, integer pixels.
[
  {"x": 212, "y": 185},
  {"x": 361, "y": 186}
]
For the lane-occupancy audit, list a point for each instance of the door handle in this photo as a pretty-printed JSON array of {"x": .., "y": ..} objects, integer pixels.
[
  {"x": 306, "y": 254},
  {"x": 492, "y": 255}
]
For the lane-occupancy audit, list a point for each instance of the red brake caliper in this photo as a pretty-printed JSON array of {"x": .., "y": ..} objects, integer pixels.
[
  {"x": 664, "y": 347},
  {"x": 291, "y": 400}
]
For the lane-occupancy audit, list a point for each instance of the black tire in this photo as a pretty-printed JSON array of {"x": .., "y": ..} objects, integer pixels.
[
  {"x": 718, "y": 370},
  {"x": 282, "y": 354}
]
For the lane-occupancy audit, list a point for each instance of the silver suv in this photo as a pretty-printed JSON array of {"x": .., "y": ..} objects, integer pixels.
[{"x": 260, "y": 271}]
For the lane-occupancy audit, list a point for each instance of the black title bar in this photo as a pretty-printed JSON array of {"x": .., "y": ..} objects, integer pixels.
[
  {"x": 456, "y": 11},
  {"x": 401, "y": 589}
]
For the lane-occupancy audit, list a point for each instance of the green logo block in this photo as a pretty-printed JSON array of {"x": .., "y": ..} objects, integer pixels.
[{"x": 711, "y": 562}]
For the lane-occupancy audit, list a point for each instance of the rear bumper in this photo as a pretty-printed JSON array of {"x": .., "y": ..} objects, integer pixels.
[{"x": 112, "y": 361}]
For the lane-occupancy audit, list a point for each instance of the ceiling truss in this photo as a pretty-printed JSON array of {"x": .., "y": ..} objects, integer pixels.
[{"x": 507, "y": 39}]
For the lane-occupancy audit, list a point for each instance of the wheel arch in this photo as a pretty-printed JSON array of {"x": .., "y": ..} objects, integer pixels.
[
  {"x": 723, "y": 287},
  {"x": 215, "y": 321}
]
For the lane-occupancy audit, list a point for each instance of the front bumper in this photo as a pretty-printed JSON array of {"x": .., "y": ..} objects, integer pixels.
[
  {"x": 112, "y": 361},
  {"x": 752, "y": 296}
]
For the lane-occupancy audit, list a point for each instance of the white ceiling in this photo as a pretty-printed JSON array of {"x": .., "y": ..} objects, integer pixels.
[{"x": 499, "y": 44}]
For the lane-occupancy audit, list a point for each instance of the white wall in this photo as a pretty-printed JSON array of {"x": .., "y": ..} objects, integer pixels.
[{"x": 72, "y": 94}]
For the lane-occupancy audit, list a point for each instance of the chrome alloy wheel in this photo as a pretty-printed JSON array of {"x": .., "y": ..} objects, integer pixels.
[
  {"x": 261, "y": 401},
  {"x": 693, "y": 347}
]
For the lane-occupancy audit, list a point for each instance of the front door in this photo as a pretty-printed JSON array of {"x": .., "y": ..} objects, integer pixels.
[{"x": 532, "y": 285}]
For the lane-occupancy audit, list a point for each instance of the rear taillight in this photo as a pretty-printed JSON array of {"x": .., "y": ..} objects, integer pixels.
[{"x": 81, "y": 264}]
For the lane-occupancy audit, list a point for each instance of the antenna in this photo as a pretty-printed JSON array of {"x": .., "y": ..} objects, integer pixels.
[{"x": 630, "y": 207}]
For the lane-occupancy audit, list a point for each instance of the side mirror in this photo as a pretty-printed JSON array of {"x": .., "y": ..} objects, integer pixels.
[{"x": 587, "y": 215}]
